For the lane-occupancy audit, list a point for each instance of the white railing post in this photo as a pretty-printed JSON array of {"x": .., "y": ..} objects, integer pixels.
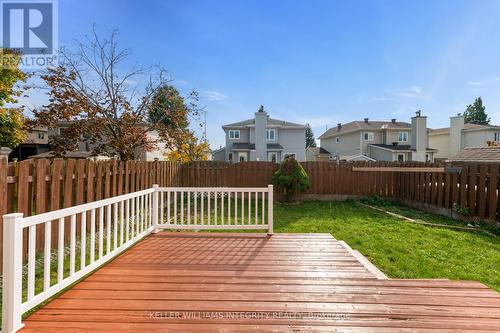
[
  {"x": 155, "y": 209},
  {"x": 269, "y": 210},
  {"x": 12, "y": 272}
]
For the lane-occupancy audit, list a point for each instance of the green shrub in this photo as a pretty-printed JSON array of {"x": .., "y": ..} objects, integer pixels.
[{"x": 290, "y": 179}]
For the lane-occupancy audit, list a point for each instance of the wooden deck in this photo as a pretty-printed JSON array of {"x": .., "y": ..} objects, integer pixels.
[{"x": 184, "y": 282}]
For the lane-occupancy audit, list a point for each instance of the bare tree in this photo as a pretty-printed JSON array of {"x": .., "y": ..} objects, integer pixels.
[{"x": 102, "y": 103}]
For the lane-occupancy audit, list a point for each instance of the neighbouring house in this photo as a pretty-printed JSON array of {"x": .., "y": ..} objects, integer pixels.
[
  {"x": 478, "y": 154},
  {"x": 37, "y": 142},
  {"x": 158, "y": 153},
  {"x": 317, "y": 154},
  {"x": 449, "y": 141},
  {"x": 379, "y": 140},
  {"x": 262, "y": 139}
]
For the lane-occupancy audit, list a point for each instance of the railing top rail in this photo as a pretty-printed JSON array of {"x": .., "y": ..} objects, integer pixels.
[
  {"x": 225, "y": 188},
  {"x": 64, "y": 212}
]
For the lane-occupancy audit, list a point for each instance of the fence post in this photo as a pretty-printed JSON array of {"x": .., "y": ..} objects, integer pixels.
[
  {"x": 269, "y": 210},
  {"x": 155, "y": 209},
  {"x": 12, "y": 272}
]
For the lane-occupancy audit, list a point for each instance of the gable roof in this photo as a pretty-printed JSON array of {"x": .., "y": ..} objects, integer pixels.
[
  {"x": 270, "y": 122},
  {"x": 318, "y": 150},
  {"x": 478, "y": 154},
  {"x": 358, "y": 125},
  {"x": 467, "y": 127}
]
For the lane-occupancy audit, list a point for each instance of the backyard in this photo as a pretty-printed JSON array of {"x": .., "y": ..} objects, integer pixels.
[{"x": 398, "y": 248}]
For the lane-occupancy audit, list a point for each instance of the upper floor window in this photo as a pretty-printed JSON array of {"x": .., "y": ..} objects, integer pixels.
[
  {"x": 41, "y": 136},
  {"x": 497, "y": 136},
  {"x": 234, "y": 134},
  {"x": 368, "y": 136},
  {"x": 403, "y": 137},
  {"x": 271, "y": 134}
]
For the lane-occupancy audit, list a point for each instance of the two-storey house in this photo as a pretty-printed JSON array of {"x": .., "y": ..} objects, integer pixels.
[
  {"x": 379, "y": 140},
  {"x": 450, "y": 141},
  {"x": 262, "y": 139}
]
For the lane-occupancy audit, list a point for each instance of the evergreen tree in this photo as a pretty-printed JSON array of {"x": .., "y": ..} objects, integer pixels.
[
  {"x": 475, "y": 113},
  {"x": 310, "y": 142}
]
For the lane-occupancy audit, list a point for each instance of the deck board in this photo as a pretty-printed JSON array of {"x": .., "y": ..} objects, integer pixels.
[{"x": 212, "y": 282}]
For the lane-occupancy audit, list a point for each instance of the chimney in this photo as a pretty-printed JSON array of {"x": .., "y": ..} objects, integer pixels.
[
  {"x": 393, "y": 120},
  {"x": 260, "y": 134},
  {"x": 366, "y": 120},
  {"x": 457, "y": 124},
  {"x": 339, "y": 126},
  {"x": 419, "y": 137}
]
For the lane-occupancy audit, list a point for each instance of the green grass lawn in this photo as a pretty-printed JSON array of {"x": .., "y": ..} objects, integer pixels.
[{"x": 398, "y": 248}]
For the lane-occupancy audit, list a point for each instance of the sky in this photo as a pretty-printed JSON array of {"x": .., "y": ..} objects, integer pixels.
[{"x": 316, "y": 62}]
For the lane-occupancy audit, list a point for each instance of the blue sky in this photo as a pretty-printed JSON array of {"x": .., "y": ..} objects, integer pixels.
[{"x": 317, "y": 62}]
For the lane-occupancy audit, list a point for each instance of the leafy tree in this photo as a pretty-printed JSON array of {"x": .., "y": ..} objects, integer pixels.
[
  {"x": 11, "y": 119},
  {"x": 475, "y": 113},
  {"x": 310, "y": 142},
  {"x": 10, "y": 76},
  {"x": 110, "y": 108},
  {"x": 189, "y": 149},
  {"x": 290, "y": 179},
  {"x": 12, "y": 130}
]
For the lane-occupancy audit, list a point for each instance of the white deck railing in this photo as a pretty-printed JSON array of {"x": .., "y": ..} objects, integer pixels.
[{"x": 100, "y": 230}]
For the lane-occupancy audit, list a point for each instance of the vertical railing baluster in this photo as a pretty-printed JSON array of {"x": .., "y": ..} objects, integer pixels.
[
  {"x": 72, "y": 245},
  {"x": 182, "y": 207},
  {"x": 101, "y": 232},
  {"x": 83, "y": 241},
  {"x": 249, "y": 208},
  {"x": 209, "y": 198},
  {"x": 236, "y": 208},
  {"x": 242, "y": 208},
  {"x": 127, "y": 221},
  {"x": 195, "y": 210},
  {"x": 168, "y": 207},
  {"x": 122, "y": 221},
  {"x": 47, "y": 253},
  {"x": 161, "y": 195},
  {"x": 222, "y": 196},
  {"x": 31, "y": 261},
  {"x": 263, "y": 207},
  {"x": 201, "y": 203},
  {"x": 115, "y": 226},
  {"x": 229, "y": 208},
  {"x": 256, "y": 204},
  {"x": 92, "y": 236},
  {"x": 175, "y": 207},
  {"x": 108, "y": 229},
  {"x": 137, "y": 216},
  {"x": 60, "y": 251},
  {"x": 215, "y": 207},
  {"x": 189, "y": 206}
]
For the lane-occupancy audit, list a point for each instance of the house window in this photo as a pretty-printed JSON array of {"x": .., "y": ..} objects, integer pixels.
[
  {"x": 234, "y": 134},
  {"x": 403, "y": 137},
  {"x": 401, "y": 157},
  {"x": 368, "y": 136},
  {"x": 271, "y": 134},
  {"x": 497, "y": 136},
  {"x": 272, "y": 156},
  {"x": 230, "y": 157},
  {"x": 337, "y": 140},
  {"x": 289, "y": 155},
  {"x": 41, "y": 136}
]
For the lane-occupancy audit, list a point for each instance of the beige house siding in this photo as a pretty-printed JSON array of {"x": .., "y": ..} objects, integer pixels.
[
  {"x": 349, "y": 144},
  {"x": 441, "y": 142},
  {"x": 479, "y": 138}
]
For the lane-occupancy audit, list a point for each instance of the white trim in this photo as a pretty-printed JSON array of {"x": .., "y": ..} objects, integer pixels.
[{"x": 268, "y": 136}]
